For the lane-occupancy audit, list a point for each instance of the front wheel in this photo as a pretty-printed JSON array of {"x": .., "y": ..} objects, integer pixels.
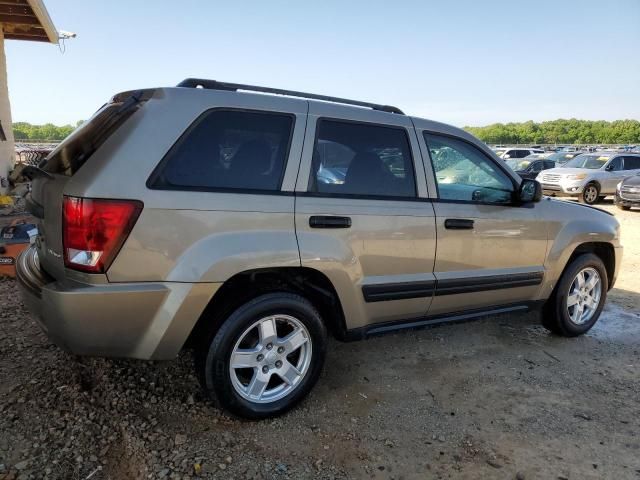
[
  {"x": 579, "y": 297},
  {"x": 590, "y": 195},
  {"x": 266, "y": 356}
]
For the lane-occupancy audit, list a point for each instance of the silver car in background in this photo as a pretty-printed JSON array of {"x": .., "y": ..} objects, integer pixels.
[{"x": 590, "y": 176}]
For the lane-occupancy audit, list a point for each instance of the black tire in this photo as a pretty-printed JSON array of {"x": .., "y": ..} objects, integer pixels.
[
  {"x": 214, "y": 354},
  {"x": 587, "y": 195},
  {"x": 555, "y": 316}
]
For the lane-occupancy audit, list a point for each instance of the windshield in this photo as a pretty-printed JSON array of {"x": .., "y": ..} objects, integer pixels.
[
  {"x": 562, "y": 157},
  {"x": 518, "y": 163},
  {"x": 592, "y": 162}
]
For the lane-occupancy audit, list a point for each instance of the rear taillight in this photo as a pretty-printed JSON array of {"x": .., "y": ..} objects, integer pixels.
[{"x": 94, "y": 230}]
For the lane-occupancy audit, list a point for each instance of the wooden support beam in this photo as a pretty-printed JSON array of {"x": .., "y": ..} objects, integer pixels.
[
  {"x": 22, "y": 36},
  {"x": 14, "y": 3},
  {"x": 21, "y": 10},
  {"x": 18, "y": 19}
]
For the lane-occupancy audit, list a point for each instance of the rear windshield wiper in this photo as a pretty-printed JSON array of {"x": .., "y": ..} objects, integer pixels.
[{"x": 31, "y": 172}]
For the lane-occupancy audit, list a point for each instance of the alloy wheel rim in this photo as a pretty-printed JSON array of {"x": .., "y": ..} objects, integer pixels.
[
  {"x": 591, "y": 193},
  {"x": 584, "y": 296},
  {"x": 270, "y": 359}
]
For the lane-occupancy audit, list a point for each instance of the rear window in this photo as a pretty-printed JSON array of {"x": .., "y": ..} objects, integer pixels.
[
  {"x": 228, "y": 150},
  {"x": 77, "y": 148}
]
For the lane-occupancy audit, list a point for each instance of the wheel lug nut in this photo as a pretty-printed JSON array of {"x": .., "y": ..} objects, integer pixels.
[
  {"x": 278, "y": 364},
  {"x": 269, "y": 346},
  {"x": 260, "y": 357},
  {"x": 265, "y": 369},
  {"x": 280, "y": 349}
]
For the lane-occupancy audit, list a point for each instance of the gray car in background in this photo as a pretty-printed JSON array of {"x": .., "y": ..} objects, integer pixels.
[
  {"x": 250, "y": 223},
  {"x": 590, "y": 176}
]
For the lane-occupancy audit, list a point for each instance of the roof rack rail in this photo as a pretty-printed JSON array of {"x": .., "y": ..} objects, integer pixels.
[{"x": 215, "y": 85}]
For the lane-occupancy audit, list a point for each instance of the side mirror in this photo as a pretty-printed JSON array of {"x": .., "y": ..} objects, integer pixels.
[{"x": 530, "y": 191}]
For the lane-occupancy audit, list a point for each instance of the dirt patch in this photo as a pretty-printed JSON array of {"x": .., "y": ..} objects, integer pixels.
[{"x": 494, "y": 398}]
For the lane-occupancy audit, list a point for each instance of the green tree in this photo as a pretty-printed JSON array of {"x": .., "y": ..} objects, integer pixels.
[
  {"x": 49, "y": 131},
  {"x": 560, "y": 131}
]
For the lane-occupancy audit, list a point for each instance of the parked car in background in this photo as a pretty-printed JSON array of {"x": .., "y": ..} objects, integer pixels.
[
  {"x": 562, "y": 157},
  {"x": 539, "y": 155},
  {"x": 590, "y": 176},
  {"x": 507, "y": 153},
  {"x": 227, "y": 236},
  {"x": 530, "y": 166},
  {"x": 628, "y": 193}
]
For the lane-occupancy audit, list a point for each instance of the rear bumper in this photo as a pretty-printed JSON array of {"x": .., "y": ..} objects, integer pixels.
[{"x": 136, "y": 320}]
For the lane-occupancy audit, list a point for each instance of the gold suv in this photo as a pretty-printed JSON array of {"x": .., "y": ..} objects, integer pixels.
[{"x": 249, "y": 223}]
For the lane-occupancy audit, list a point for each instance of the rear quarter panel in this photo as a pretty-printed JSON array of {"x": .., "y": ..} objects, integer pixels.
[{"x": 187, "y": 245}]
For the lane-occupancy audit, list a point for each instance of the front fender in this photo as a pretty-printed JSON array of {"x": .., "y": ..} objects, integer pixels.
[{"x": 570, "y": 226}]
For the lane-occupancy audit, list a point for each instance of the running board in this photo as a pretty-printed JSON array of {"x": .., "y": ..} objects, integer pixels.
[{"x": 386, "y": 327}]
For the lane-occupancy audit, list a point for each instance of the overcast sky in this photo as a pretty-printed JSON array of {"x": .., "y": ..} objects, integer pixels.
[{"x": 457, "y": 61}]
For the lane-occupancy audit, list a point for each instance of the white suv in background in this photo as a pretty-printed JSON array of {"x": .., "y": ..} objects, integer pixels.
[
  {"x": 590, "y": 176},
  {"x": 507, "y": 153}
]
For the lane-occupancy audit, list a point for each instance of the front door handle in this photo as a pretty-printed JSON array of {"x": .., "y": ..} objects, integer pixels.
[
  {"x": 458, "y": 224},
  {"x": 329, "y": 221}
]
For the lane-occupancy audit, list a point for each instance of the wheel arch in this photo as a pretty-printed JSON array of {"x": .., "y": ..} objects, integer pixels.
[
  {"x": 596, "y": 182},
  {"x": 602, "y": 250},
  {"x": 243, "y": 286}
]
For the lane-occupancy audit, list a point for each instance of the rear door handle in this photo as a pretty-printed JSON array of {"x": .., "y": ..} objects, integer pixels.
[
  {"x": 329, "y": 221},
  {"x": 458, "y": 224}
]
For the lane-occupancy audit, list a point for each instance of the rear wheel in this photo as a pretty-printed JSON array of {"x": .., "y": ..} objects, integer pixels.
[
  {"x": 590, "y": 194},
  {"x": 266, "y": 356},
  {"x": 579, "y": 297}
]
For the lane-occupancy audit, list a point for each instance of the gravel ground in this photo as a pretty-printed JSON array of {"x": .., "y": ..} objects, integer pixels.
[{"x": 496, "y": 398}]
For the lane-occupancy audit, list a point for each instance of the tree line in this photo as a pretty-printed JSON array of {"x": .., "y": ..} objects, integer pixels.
[
  {"x": 560, "y": 132},
  {"x": 554, "y": 131},
  {"x": 23, "y": 131}
]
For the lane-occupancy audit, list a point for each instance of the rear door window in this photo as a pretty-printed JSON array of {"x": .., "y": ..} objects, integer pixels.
[
  {"x": 362, "y": 159},
  {"x": 631, "y": 163},
  {"x": 228, "y": 150}
]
